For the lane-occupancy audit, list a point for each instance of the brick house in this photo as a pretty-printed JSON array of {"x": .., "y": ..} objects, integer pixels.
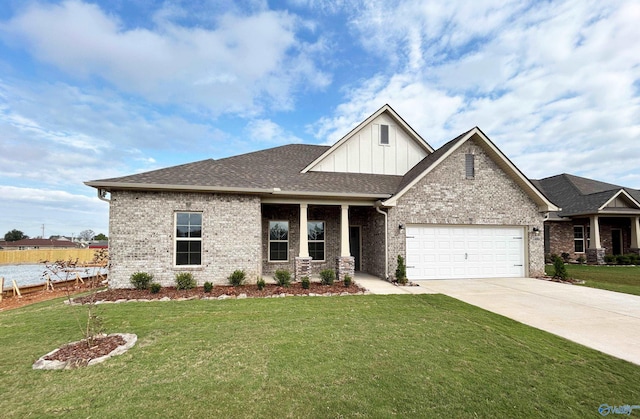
[
  {"x": 596, "y": 218},
  {"x": 462, "y": 211}
]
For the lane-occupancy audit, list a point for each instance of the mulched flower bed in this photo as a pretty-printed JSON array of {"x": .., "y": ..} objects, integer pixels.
[
  {"x": 100, "y": 346},
  {"x": 248, "y": 291}
]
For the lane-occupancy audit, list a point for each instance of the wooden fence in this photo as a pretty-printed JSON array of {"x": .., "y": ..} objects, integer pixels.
[{"x": 14, "y": 257}]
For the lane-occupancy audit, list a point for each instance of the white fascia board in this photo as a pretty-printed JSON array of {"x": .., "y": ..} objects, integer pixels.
[
  {"x": 386, "y": 108},
  {"x": 620, "y": 192}
]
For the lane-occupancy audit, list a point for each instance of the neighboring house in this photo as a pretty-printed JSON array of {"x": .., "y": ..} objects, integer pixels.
[
  {"x": 462, "y": 211},
  {"x": 596, "y": 218},
  {"x": 30, "y": 244}
]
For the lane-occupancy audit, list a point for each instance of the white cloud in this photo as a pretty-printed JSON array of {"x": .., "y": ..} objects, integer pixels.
[
  {"x": 268, "y": 133},
  {"x": 553, "y": 84},
  {"x": 230, "y": 68}
]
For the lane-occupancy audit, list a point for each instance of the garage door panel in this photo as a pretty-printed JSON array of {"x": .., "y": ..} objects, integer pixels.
[{"x": 440, "y": 252}]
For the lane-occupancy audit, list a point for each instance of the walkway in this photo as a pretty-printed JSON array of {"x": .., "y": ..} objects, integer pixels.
[{"x": 603, "y": 320}]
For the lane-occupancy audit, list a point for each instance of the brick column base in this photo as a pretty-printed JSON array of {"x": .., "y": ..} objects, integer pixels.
[
  {"x": 636, "y": 251},
  {"x": 595, "y": 256},
  {"x": 345, "y": 265},
  {"x": 302, "y": 268}
]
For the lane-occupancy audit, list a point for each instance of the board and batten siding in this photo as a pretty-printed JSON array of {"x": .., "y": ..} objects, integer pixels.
[{"x": 363, "y": 153}]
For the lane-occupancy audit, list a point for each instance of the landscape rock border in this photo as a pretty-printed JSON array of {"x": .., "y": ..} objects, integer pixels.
[{"x": 44, "y": 364}]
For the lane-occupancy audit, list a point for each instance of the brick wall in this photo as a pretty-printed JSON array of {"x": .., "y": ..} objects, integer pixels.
[
  {"x": 141, "y": 235},
  {"x": 445, "y": 196}
]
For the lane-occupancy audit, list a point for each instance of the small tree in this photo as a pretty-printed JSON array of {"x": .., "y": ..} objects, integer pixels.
[
  {"x": 86, "y": 235},
  {"x": 100, "y": 237},
  {"x": 14, "y": 235},
  {"x": 560, "y": 270},
  {"x": 401, "y": 271}
]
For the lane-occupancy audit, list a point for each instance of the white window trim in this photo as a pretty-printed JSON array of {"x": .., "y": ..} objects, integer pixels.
[
  {"x": 584, "y": 241},
  {"x": 176, "y": 239},
  {"x": 277, "y": 241},
  {"x": 324, "y": 223}
]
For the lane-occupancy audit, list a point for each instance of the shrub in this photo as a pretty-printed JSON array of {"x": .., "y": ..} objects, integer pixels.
[
  {"x": 581, "y": 260},
  {"x": 141, "y": 280},
  {"x": 237, "y": 278},
  {"x": 560, "y": 271},
  {"x": 283, "y": 277},
  {"x": 347, "y": 281},
  {"x": 155, "y": 288},
  {"x": 623, "y": 260},
  {"x": 401, "y": 271},
  {"x": 566, "y": 257},
  {"x": 609, "y": 259},
  {"x": 185, "y": 281},
  {"x": 327, "y": 276},
  {"x": 260, "y": 283},
  {"x": 208, "y": 286},
  {"x": 305, "y": 282}
]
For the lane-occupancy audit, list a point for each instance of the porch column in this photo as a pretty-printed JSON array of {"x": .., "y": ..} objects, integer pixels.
[
  {"x": 304, "y": 237},
  {"x": 345, "y": 264},
  {"x": 344, "y": 232},
  {"x": 635, "y": 234},
  {"x": 302, "y": 265},
  {"x": 595, "y": 252}
]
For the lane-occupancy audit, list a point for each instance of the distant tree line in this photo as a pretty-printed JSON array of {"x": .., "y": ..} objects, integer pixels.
[{"x": 85, "y": 235}]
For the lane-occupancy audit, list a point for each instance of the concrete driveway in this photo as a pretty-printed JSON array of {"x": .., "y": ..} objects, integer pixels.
[{"x": 603, "y": 320}]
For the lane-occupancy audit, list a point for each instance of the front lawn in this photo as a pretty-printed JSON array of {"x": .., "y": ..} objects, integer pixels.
[
  {"x": 613, "y": 278},
  {"x": 352, "y": 356}
]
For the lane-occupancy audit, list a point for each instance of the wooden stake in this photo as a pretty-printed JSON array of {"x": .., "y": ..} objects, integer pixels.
[
  {"x": 16, "y": 290},
  {"x": 1, "y": 287},
  {"x": 48, "y": 284},
  {"x": 78, "y": 278}
]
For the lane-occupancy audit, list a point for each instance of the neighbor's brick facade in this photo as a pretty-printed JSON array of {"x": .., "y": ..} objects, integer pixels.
[
  {"x": 446, "y": 197},
  {"x": 141, "y": 235},
  {"x": 561, "y": 238}
]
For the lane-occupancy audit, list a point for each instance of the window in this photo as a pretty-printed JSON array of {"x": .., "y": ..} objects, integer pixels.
[
  {"x": 315, "y": 235},
  {"x": 278, "y": 241},
  {"x": 188, "y": 238},
  {"x": 578, "y": 239},
  {"x": 384, "y": 134},
  {"x": 470, "y": 166}
]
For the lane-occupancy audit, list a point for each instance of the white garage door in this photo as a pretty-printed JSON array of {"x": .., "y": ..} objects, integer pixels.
[{"x": 444, "y": 252}]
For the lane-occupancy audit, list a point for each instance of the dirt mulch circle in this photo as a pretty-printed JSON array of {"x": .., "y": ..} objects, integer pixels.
[
  {"x": 86, "y": 352},
  {"x": 220, "y": 292}
]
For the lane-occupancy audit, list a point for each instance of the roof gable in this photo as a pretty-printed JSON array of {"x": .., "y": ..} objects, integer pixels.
[
  {"x": 429, "y": 163},
  {"x": 363, "y": 150}
]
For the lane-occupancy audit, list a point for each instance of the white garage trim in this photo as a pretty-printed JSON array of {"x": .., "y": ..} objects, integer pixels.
[{"x": 464, "y": 251}]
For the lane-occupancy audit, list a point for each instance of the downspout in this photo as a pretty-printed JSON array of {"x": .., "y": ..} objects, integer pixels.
[
  {"x": 386, "y": 248},
  {"x": 102, "y": 194}
]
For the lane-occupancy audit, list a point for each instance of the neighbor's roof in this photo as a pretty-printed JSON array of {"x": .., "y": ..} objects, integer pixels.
[
  {"x": 582, "y": 196},
  {"x": 276, "y": 171}
]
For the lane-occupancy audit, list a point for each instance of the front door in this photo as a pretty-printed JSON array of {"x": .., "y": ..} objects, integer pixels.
[
  {"x": 355, "y": 245},
  {"x": 616, "y": 241}
]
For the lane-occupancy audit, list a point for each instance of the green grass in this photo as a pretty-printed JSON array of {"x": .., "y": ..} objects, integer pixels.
[
  {"x": 613, "y": 278},
  {"x": 354, "y": 356}
]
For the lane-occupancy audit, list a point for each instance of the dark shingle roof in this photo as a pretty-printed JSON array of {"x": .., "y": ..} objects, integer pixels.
[
  {"x": 579, "y": 195},
  {"x": 277, "y": 167}
]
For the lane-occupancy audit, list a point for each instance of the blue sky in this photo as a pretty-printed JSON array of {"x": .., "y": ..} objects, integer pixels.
[{"x": 92, "y": 90}]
